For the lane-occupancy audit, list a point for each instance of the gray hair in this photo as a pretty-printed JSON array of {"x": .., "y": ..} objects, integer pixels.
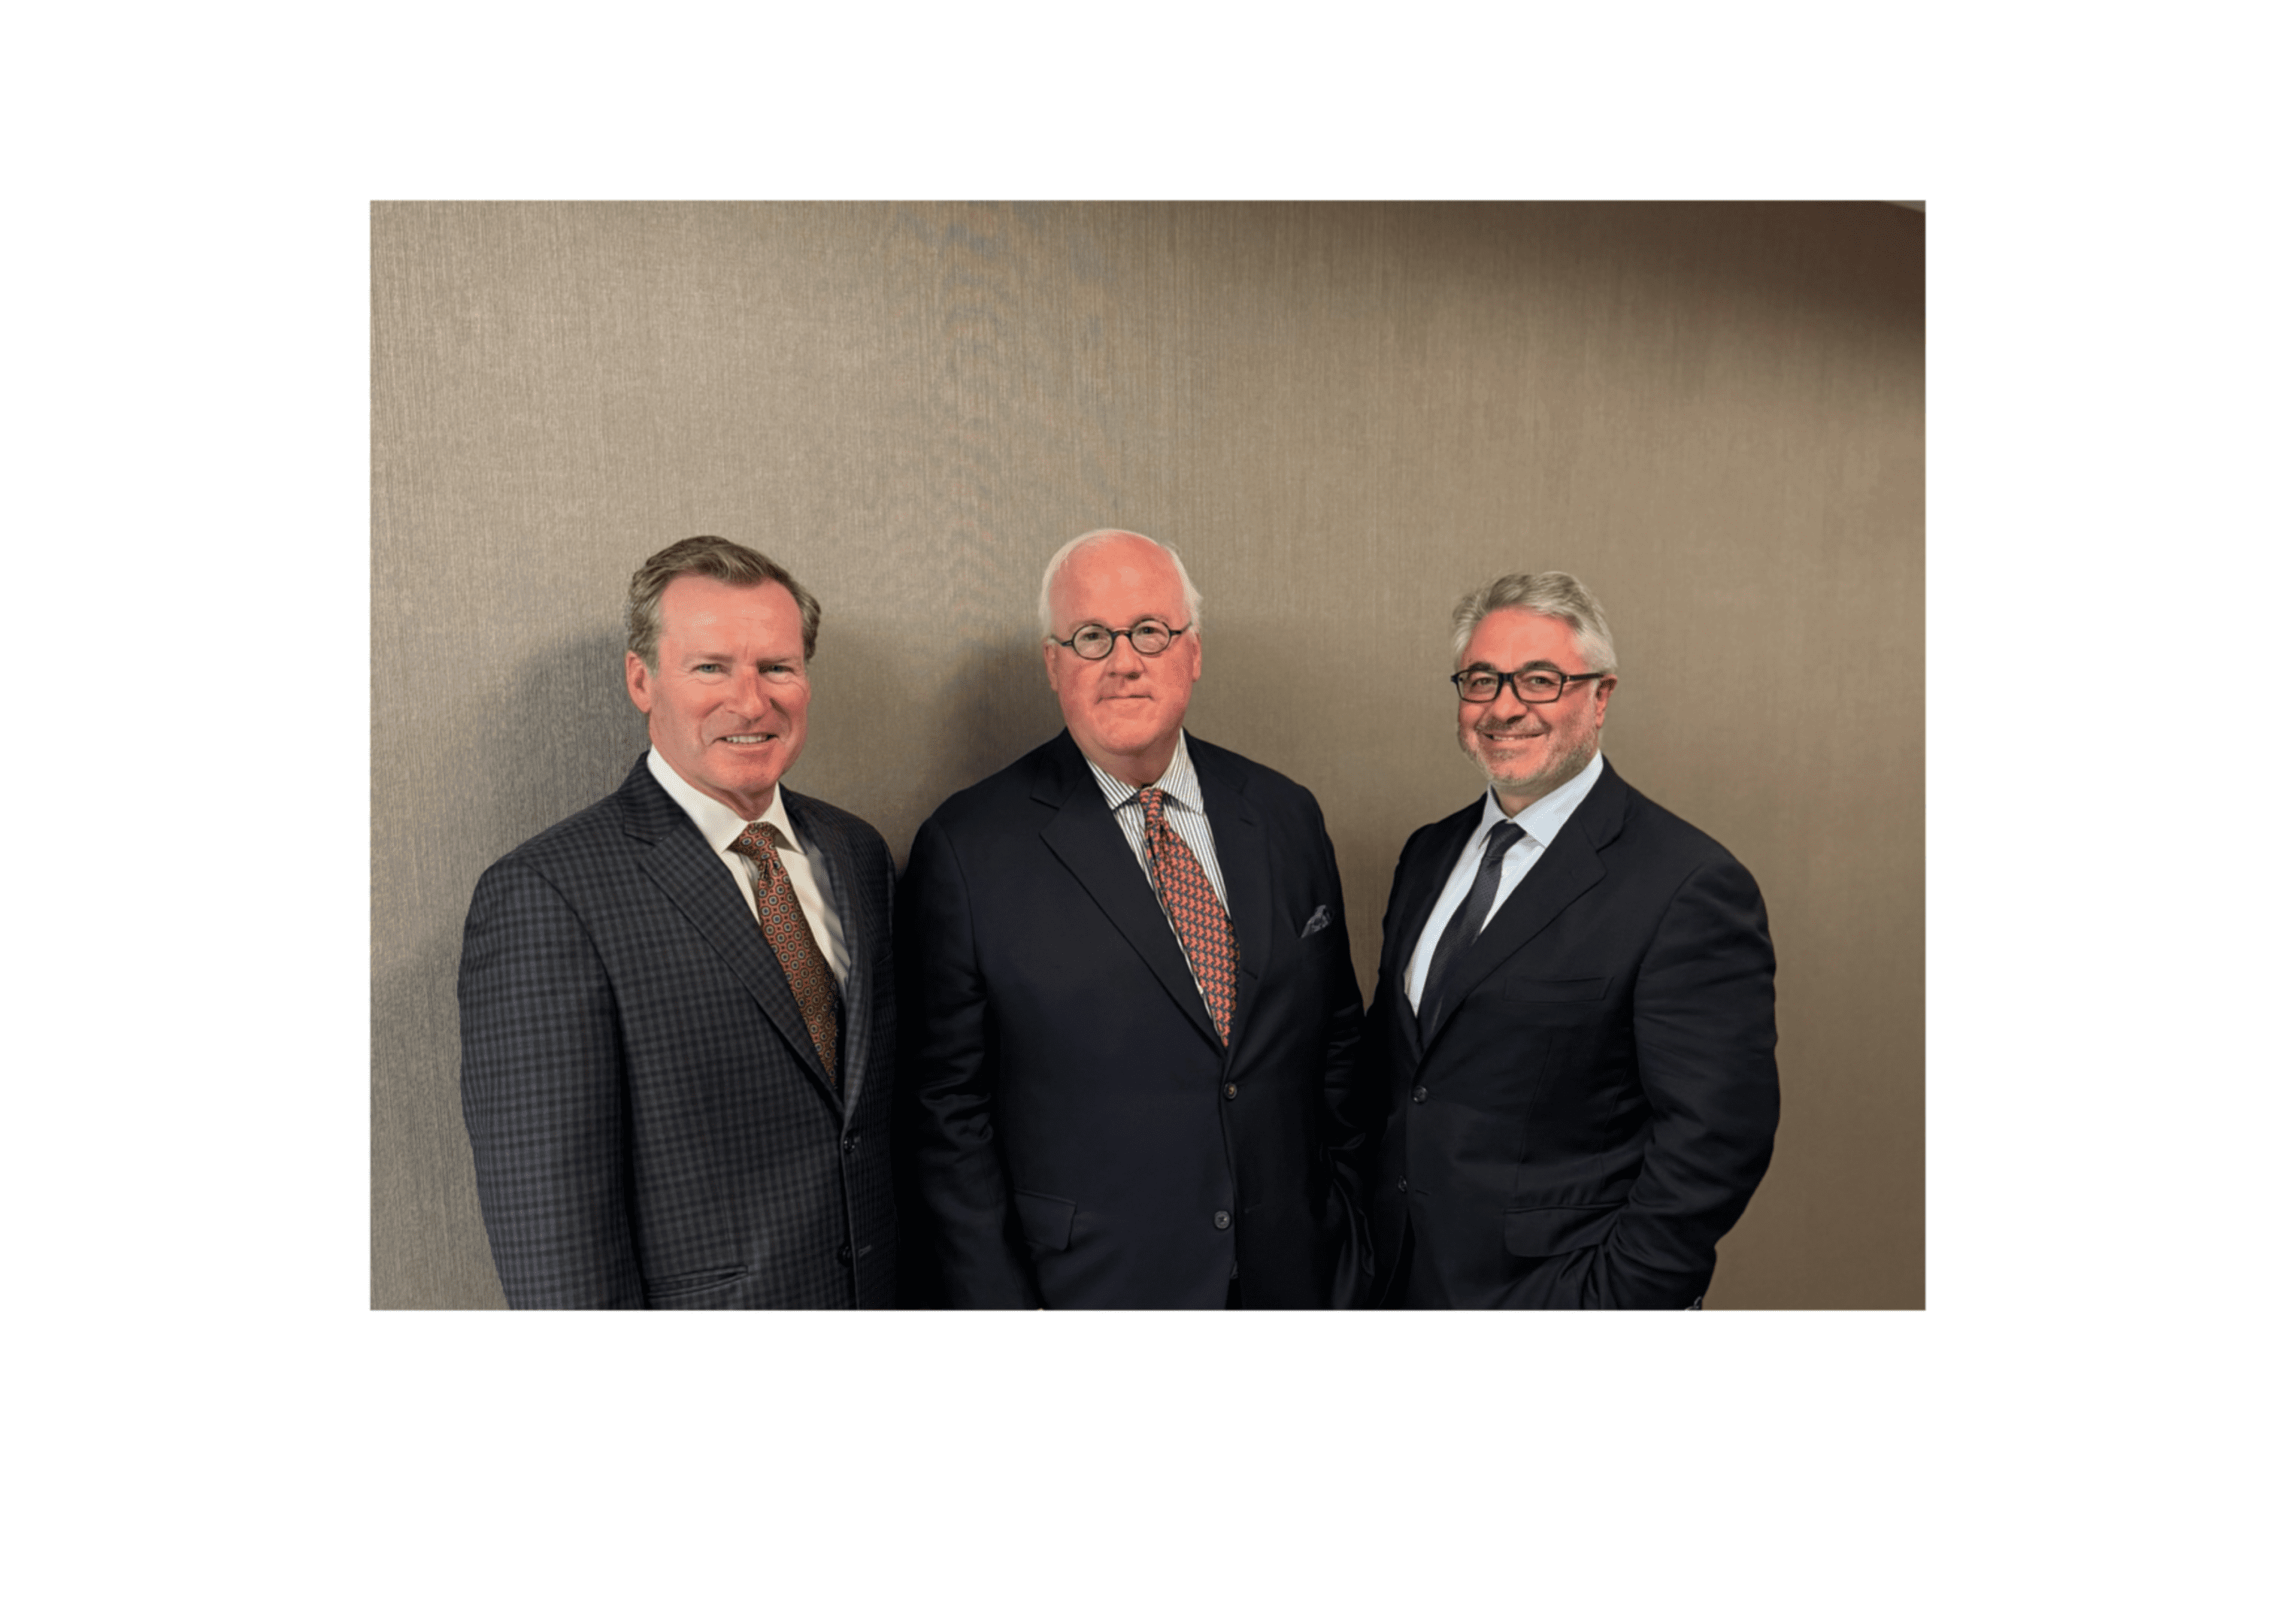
[
  {"x": 1195, "y": 600},
  {"x": 718, "y": 560},
  {"x": 1555, "y": 595}
]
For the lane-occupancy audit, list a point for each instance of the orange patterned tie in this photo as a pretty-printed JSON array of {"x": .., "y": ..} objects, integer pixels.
[
  {"x": 1197, "y": 916},
  {"x": 792, "y": 939}
]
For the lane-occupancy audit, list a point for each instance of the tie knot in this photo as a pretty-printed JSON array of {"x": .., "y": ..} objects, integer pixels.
[
  {"x": 1501, "y": 837},
  {"x": 1151, "y": 803},
  {"x": 755, "y": 840}
]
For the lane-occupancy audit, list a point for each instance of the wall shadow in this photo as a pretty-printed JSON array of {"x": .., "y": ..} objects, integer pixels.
[{"x": 558, "y": 736}]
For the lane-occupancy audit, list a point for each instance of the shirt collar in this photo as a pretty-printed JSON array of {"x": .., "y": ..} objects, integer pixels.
[
  {"x": 1178, "y": 781},
  {"x": 719, "y": 823},
  {"x": 1544, "y": 819}
]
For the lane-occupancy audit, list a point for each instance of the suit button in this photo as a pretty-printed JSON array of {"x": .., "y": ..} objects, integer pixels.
[
  {"x": 845, "y": 1254},
  {"x": 853, "y": 1139},
  {"x": 1219, "y": 1220},
  {"x": 1403, "y": 1184},
  {"x": 1231, "y": 1091},
  {"x": 1419, "y": 1094}
]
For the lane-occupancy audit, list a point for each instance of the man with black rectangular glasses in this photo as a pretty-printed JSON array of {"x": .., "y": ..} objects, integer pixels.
[{"x": 1573, "y": 1028}]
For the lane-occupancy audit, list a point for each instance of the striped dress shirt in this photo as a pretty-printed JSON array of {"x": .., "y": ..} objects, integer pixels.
[{"x": 1184, "y": 809}]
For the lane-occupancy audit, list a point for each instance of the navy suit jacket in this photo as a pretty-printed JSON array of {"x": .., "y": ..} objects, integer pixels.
[
  {"x": 1597, "y": 1103},
  {"x": 651, "y": 1123},
  {"x": 1082, "y": 1139}
]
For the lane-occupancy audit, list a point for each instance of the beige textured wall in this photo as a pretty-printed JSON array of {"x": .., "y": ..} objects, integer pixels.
[{"x": 1341, "y": 415}]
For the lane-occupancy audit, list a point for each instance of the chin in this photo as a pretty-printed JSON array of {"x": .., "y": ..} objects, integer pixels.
[
  {"x": 1514, "y": 774},
  {"x": 1127, "y": 742}
]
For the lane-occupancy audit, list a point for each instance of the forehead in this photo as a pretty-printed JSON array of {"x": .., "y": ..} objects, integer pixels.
[
  {"x": 1508, "y": 639},
  {"x": 1118, "y": 580},
  {"x": 694, "y": 605}
]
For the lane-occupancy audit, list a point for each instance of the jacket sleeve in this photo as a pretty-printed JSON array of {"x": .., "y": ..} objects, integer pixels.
[
  {"x": 1350, "y": 1115},
  {"x": 543, "y": 1098},
  {"x": 948, "y": 1069},
  {"x": 1706, "y": 1046}
]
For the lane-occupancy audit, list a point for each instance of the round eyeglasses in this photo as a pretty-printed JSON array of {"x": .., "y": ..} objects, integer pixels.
[
  {"x": 1093, "y": 641},
  {"x": 1533, "y": 685}
]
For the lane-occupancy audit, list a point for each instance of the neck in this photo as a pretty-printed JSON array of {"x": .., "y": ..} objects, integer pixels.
[
  {"x": 1139, "y": 769},
  {"x": 750, "y": 807}
]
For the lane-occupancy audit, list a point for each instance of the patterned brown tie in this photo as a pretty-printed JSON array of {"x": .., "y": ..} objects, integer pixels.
[
  {"x": 792, "y": 939},
  {"x": 1201, "y": 923}
]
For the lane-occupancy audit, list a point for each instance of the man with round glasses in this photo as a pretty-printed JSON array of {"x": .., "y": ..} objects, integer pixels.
[
  {"x": 1573, "y": 1029},
  {"x": 1129, "y": 1016}
]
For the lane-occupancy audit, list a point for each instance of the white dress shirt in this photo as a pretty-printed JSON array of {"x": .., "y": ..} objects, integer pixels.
[
  {"x": 721, "y": 826},
  {"x": 1540, "y": 822}
]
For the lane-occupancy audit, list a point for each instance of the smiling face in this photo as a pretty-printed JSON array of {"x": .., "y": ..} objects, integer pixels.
[
  {"x": 726, "y": 704},
  {"x": 1528, "y": 751},
  {"x": 1124, "y": 711}
]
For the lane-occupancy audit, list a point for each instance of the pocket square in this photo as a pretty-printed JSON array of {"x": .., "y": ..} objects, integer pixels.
[{"x": 1316, "y": 921}]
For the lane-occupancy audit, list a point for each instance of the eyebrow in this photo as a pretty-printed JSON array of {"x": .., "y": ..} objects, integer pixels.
[{"x": 1535, "y": 665}]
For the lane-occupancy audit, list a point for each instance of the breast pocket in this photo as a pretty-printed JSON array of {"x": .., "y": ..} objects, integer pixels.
[{"x": 1315, "y": 922}]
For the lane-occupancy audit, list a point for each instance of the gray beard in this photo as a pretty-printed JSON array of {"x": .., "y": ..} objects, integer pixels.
[{"x": 1546, "y": 783}]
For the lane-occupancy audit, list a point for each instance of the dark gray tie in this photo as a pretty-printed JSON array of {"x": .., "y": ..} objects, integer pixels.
[{"x": 1465, "y": 924}]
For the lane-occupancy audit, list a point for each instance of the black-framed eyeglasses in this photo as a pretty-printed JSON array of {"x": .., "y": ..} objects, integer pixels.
[
  {"x": 1093, "y": 641},
  {"x": 1533, "y": 685}
]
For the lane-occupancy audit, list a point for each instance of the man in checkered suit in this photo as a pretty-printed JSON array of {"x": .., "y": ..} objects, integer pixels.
[
  {"x": 1129, "y": 1015},
  {"x": 677, "y": 1005}
]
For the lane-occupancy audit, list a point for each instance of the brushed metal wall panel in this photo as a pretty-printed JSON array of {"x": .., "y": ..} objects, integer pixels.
[{"x": 1341, "y": 415}]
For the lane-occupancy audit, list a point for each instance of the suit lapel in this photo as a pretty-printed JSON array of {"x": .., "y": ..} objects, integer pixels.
[
  {"x": 834, "y": 861},
  {"x": 1420, "y": 887},
  {"x": 679, "y": 861},
  {"x": 1082, "y": 833},
  {"x": 1241, "y": 844}
]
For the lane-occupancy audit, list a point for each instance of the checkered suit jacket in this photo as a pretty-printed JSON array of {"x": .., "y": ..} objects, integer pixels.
[{"x": 650, "y": 1124}]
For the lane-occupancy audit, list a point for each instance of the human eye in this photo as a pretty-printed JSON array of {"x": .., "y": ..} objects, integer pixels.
[{"x": 1541, "y": 682}]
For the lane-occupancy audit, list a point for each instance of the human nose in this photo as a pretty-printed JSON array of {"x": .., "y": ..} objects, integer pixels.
[
  {"x": 753, "y": 694},
  {"x": 1134, "y": 661},
  {"x": 1506, "y": 702}
]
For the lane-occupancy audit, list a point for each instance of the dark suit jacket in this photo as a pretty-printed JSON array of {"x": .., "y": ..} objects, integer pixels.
[
  {"x": 1082, "y": 1138},
  {"x": 1597, "y": 1105},
  {"x": 652, "y": 1125}
]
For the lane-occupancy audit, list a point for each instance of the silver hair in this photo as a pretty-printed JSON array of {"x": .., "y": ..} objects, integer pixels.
[
  {"x": 1195, "y": 599},
  {"x": 1552, "y": 594}
]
